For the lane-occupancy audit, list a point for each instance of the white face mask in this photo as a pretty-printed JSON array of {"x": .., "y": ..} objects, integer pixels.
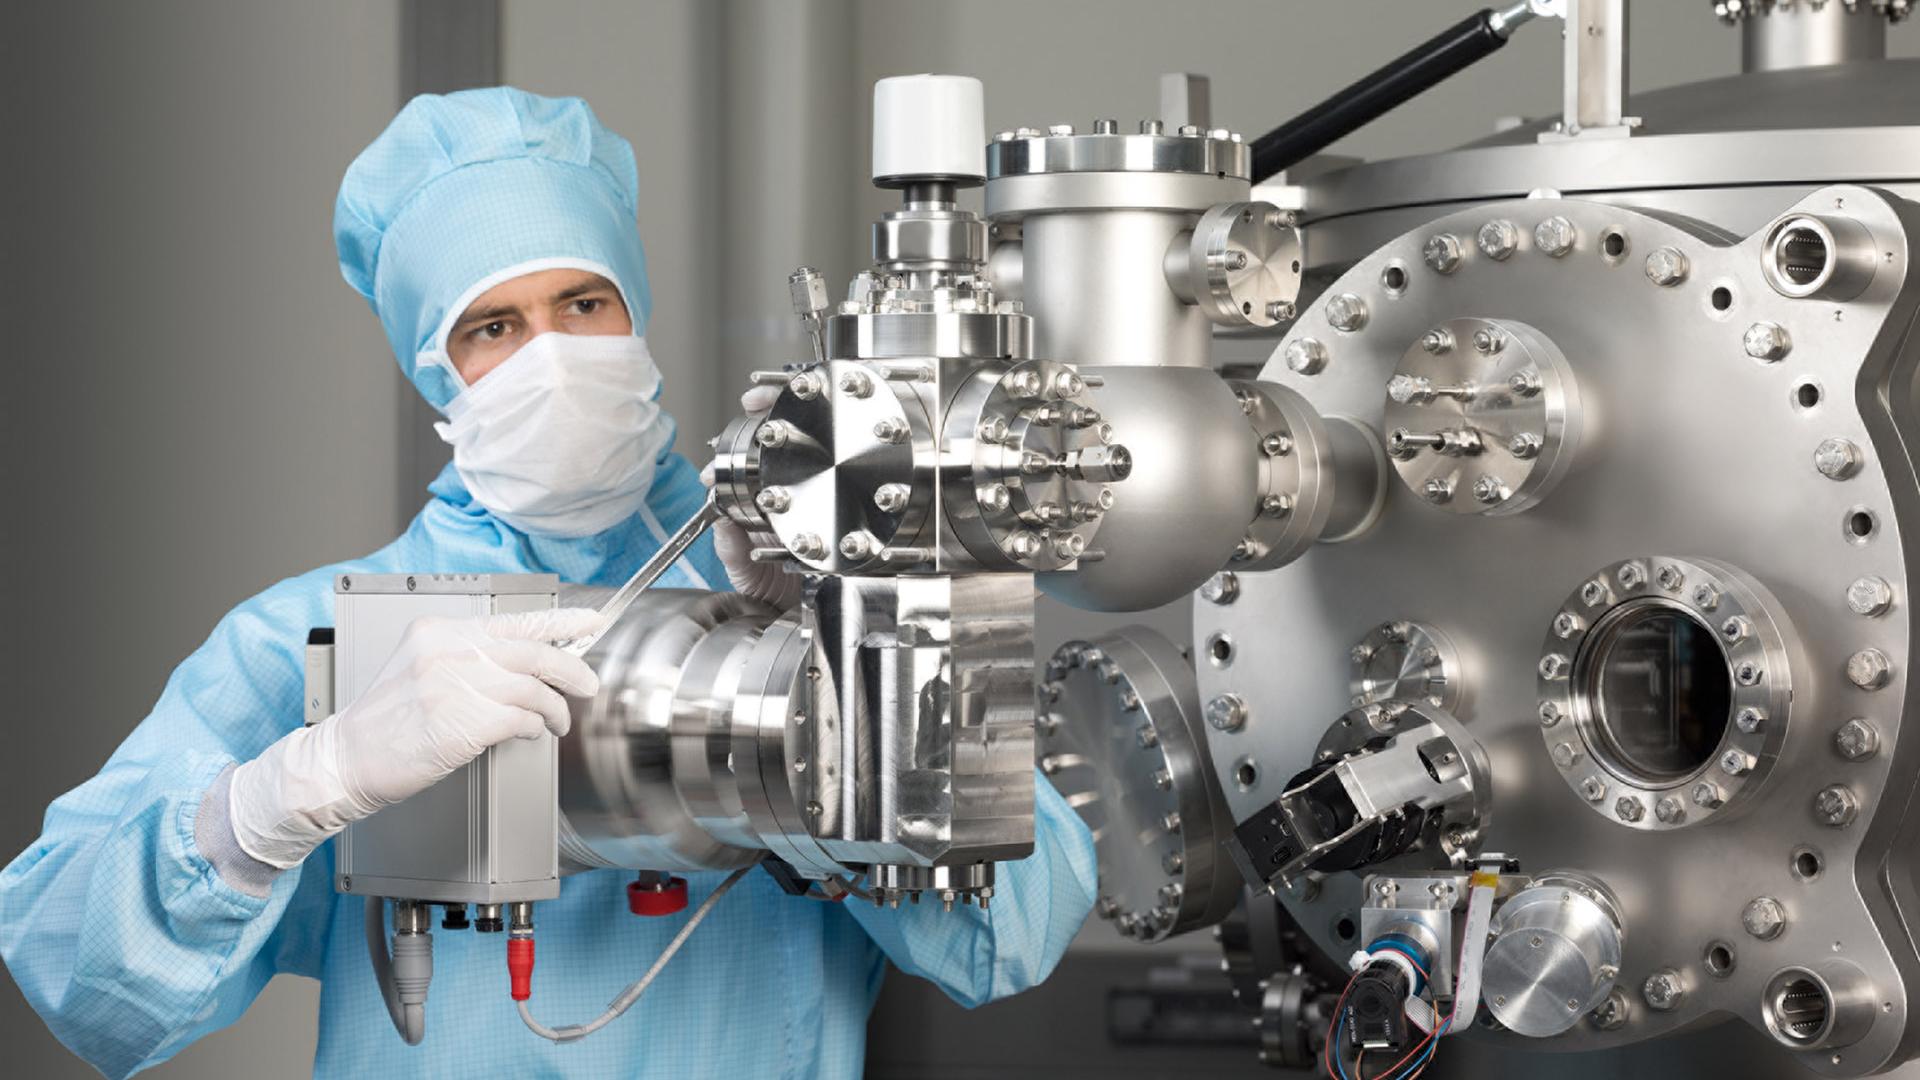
[{"x": 561, "y": 438}]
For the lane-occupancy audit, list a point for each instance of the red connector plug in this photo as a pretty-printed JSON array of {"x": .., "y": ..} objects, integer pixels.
[{"x": 520, "y": 966}]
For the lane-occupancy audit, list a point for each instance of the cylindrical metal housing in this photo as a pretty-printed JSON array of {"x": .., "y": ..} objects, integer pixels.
[
  {"x": 1554, "y": 956},
  {"x": 1811, "y": 35},
  {"x": 1132, "y": 317}
]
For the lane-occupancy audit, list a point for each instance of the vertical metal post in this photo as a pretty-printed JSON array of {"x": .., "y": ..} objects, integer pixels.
[
  {"x": 1594, "y": 78},
  {"x": 1186, "y": 99}
]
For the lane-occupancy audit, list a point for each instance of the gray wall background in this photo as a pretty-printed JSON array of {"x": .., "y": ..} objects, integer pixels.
[{"x": 198, "y": 406}]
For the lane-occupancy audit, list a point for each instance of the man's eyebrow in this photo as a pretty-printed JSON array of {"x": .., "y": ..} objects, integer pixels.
[
  {"x": 582, "y": 288},
  {"x": 487, "y": 314}
]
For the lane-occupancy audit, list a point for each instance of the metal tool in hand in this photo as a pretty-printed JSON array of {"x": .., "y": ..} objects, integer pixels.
[{"x": 669, "y": 553}]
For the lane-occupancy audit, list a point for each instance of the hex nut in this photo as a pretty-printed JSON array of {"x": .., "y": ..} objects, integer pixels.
[
  {"x": 1869, "y": 669},
  {"x": 1629, "y": 808},
  {"x": 1836, "y": 806},
  {"x": 1767, "y": 341},
  {"x": 1305, "y": 356},
  {"x": 1707, "y": 795},
  {"x": 1227, "y": 712},
  {"x": 1221, "y": 588},
  {"x": 1664, "y": 990},
  {"x": 1554, "y": 236},
  {"x": 1346, "y": 312},
  {"x": 1441, "y": 253},
  {"x": 1837, "y": 458},
  {"x": 1869, "y": 596},
  {"x": 1764, "y": 918},
  {"x": 1857, "y": 739},
  {"x": 1667, "y": 267},
  {"x": 1498, "y": 239}
]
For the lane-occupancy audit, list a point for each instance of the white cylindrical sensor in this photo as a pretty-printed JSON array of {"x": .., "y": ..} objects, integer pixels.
[{"x": 929, "y": 126}]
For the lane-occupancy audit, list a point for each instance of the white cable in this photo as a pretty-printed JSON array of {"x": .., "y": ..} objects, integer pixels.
[
  {"x": 1466, "y": 1000},
  {"x": 632, "y": 993}
]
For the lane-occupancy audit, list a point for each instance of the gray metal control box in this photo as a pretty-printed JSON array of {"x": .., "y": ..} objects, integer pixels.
[{"x": 488, "y": 834}]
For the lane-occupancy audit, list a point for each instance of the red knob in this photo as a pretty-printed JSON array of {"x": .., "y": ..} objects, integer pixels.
[{"x": 658, "y": 899}]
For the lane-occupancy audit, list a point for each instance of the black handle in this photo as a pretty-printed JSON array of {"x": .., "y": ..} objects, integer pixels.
[{"x": 1454, "y": 49}]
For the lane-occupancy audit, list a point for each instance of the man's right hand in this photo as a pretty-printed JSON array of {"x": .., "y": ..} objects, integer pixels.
[{"x": 453, "y": 688}]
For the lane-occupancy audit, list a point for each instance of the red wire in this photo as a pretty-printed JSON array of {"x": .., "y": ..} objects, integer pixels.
[
  {"x": 1327, "y": 1053},
  {"x": 1438, "y": 1026}
]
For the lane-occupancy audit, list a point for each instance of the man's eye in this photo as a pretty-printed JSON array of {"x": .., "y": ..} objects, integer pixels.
[
  {"x": 492, "y": 331},
  {"x": 586, "y": 306}
]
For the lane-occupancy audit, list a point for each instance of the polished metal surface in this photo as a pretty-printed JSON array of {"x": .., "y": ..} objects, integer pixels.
[
  {"x": 1774, "y": 36},
  {"x": 1123, "y": 740},
  {"x": 1554, "y": 954},
  {"x": 1026, "y": 152},
  {"x": 1702, "y": 450},
  {"x": 1402, "y": 660}
]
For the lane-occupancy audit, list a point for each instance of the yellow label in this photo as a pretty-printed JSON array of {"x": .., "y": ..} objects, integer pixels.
[{"x": 1480, "y": 879}]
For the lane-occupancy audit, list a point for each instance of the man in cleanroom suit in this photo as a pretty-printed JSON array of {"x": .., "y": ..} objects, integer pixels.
[{"x": 494, "y": 233}]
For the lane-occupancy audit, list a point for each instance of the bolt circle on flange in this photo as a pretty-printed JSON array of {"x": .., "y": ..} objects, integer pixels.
[
  {"x": 1402, "y": 662},
  {"x": 1580, "y": 666},
  {"x": 1488, "y": 430}
]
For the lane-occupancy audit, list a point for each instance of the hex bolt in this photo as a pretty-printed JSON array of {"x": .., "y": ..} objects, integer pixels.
[
  {"x": 1667, "y": 267},
  {"x": 1664, "y": 990},
  {"x": 1069, "y": 384},
  {"x": 1670, "y": 577},
  {"x": 1612, "y": 1013},
  {"x": 1489, "y": 489},
  {"x": 1498, "y": 239},
  {"x": 1023, "y": 545},
  {"x": 1170, "y": 821},
  {"x": 1346, "y": 312},
  {"x": 1707, "y": 795},
  {"x": 1280, "y": 311},
  {"x": 1276, "y": 505},
  {"x": 1869, "y": 669},
  {"x": 1525, "y": 383},
  {"x": 1305, "y": 356},
  {"x": 1870, "y": 596},
  {"x": 993, "y": 429},
  {"x": 1629, "y": 808},
  {"x": 890, "y": 429},
  {"x": 1748, "y": 673},
  {"x": 773, "y": 500},
  {"x": 1221, "y": 588},
  {"x": 1146, "y": 737},
  {"x": 1276, "y": 445},
  {"x": 1593, "y": 788},
  {"x": 856, "y": 545},
  {"x": 1669, "y": 810},
  {"x": 1565, "y": 754},
  {"x": 1441, "y": 253},
  {"x": 1836, "y": 806},
  {"x": 1764, "y": 917},
  {"x": 1735, "y": 629},
  {"x": 1549, "y": 713},
  {"x": 1082, "y": 416},
  {"x": 892, "y": 498},
  {"x": 1438, "y": 490},
  {"x": 1767, "y": 342},
  {"x": 1593, "y": 593},
  {"x": 1567, "y": 624},
  {"x": 1706, "y": 597},
  {"x": 808, "y": 546},
  {"x": 1631, "y": 575},
  {"x": 1437, "y": 341},
  {"x": 1554, "y": 666},
  {"x": 773, "y": 433},
  {"x": 1857, "y": 739},
  {"x": 1024, "y": 383},
  {"x": 1410, "y": 389},
  {"x": 1069, "y": 546},
  {"x": 805, "y": 385},
  {"x": 856, "y": 383},
  {"x": 1173, "y": 862},
  {"x": 1554, "y": 235},
  {"x": 1489, "y": 340},
  {"x": 1750, "y": 719},
  {"x": 1837, "y": 458},
  {"x": 1170, "y": 893},
  {"x": 1736, "y": 762},
  {"x": 1163, "y": 779},
  {"x": 1227, "y": 712}
]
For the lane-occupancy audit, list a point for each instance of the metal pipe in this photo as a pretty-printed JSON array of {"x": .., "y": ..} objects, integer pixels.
[{"x": 1452, "y": 50}]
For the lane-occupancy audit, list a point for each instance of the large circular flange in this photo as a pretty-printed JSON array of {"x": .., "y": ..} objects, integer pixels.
[
  {"x": 828, "y": 447},
  {"x": 1032, "y": 466},
  {"x": 1483, "y": 416},
  {"x": 1017, "y": 153},
  {"x": 1122, "y": 739},
  {"x": 1245, "y": 259},
  {"x": 1404, "y": 660},
  {"x": 1697, "y": 748}
]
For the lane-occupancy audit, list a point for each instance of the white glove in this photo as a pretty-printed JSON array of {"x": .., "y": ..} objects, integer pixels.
[
  {"x": 766, "y": 582},
  {"x": 453, "y": 688}
]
